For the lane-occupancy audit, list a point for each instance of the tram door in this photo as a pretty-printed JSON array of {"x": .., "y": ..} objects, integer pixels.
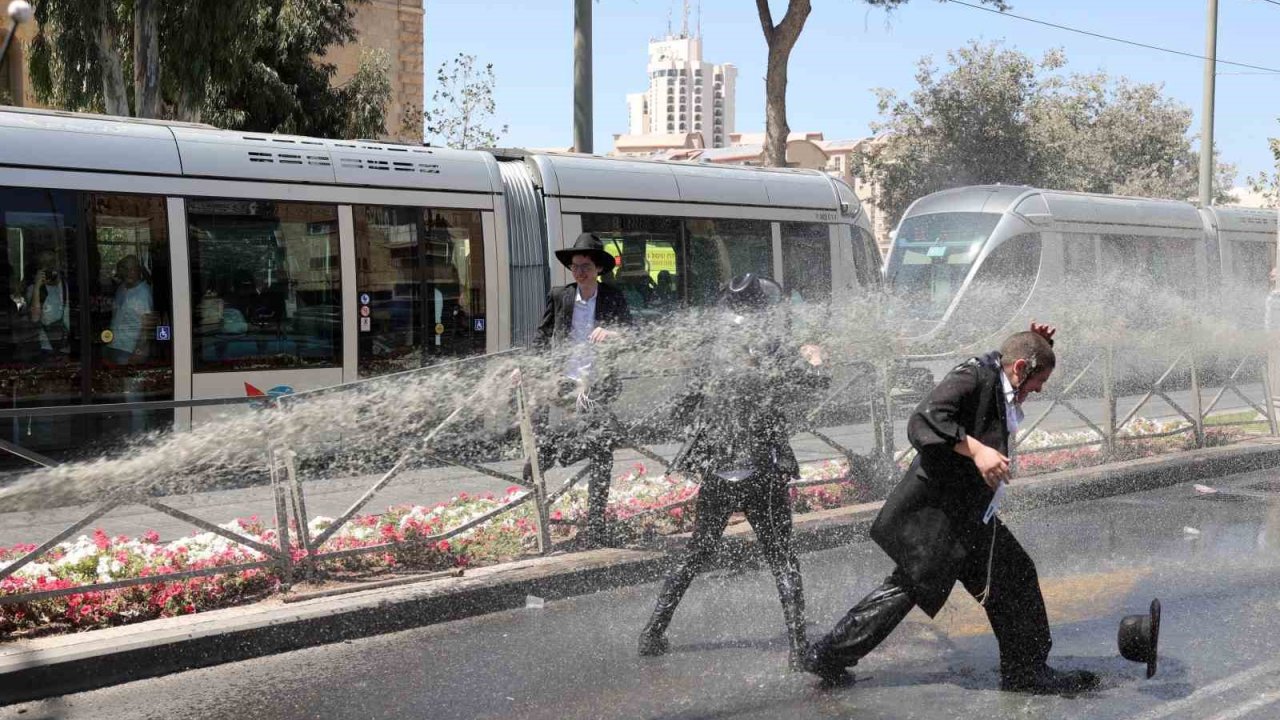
[
  {"x": 420, "y": 285},
  {"x": 86, "y": 316}
]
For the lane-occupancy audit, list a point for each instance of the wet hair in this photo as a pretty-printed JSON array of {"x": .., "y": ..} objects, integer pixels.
[{"x": 1029, "y": 346}]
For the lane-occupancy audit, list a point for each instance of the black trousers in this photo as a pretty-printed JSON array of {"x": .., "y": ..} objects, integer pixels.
[
  {"x": 767, "y": 505},
  {"x": 1014, "y": 606},
  {"x": 574, "y": 438}
]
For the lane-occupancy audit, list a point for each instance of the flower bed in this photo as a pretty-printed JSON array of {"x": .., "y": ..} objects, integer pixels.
[{"x": 645, "y": 503}]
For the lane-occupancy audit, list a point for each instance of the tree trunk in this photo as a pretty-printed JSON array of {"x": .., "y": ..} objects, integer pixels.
[
  {"x": 146, "y": 58},
  {"x": 115, "y": 98},
  {"x": 780, "y": 39}
]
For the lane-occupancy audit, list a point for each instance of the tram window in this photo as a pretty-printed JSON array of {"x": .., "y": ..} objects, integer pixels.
[
  {"x": 866, "y": 257},
  {"x": 40, "y": 346},
  {"x": 427, "y": 299},
  {"x": 806, "y": 261},
  {"x": 650, "y": 267},
  {"x": 719, "y": 249},
  {"x": 932, "y": 255},
  {"x": 86, "y": 286},
  {"x": 130, "y": 308},
  {"x": 999, "y": 287},
  {"x": 1080, "y": 259},
  {"x": 1251, "y": 263},
  {"x": 1164, "y": 262},
  {"x": 264, "y": 284}
]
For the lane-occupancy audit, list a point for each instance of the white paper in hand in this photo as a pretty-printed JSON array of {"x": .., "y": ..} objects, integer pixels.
[{"x": 995, "y": 504}]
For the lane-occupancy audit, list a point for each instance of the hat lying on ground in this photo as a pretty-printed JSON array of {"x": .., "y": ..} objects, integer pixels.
[
  {"x": 1139, "y": 635},
  {"x": 587, "y": 244}
]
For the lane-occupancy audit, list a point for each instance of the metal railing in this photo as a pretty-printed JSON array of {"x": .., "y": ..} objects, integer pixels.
[{"x": 289, "y": 496}]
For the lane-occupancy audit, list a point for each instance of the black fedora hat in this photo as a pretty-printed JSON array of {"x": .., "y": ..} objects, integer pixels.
[
  {"x": 1139, "y": 635},
  {"x": 587, "y": 244}
]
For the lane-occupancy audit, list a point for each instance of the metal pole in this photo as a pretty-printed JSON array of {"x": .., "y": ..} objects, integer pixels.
[
  {"x": 1206, "y": 120},
  {"x": 582, "y": 76},
  {"x": 541, "y": 511},
  {"x": 4, "y": 49},
  {"x": 1197, "y": 402},
  {"x": 1109, "y": 396}
]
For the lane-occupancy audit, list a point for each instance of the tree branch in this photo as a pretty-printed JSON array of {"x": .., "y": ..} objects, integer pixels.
[
  {"x": 793, "y": 22},
  {"x": 766, "y": 20}
]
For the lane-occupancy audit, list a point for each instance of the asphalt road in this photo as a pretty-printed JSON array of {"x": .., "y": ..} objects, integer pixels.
[
  {"x": 1214, "y": 562},
  {"x": 332, "y": 496}
]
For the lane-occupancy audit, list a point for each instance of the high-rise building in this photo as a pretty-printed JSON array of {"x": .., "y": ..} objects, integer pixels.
[{"x": 686, "y": 96}]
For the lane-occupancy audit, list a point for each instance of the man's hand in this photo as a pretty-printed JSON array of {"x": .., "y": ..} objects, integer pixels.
[
  {"x": 993, "y": 466},
  {"x": 1045, "y": 331},
  {"x": 600, "y": 335},
  {"x": 812, "y": 354}
]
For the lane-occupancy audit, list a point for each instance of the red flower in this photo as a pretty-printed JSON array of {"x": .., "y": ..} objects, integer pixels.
[
  {"x": 101, "y": 540},
  {"x": 151, "y": 536},
  {"x": 443, "y": 546}
]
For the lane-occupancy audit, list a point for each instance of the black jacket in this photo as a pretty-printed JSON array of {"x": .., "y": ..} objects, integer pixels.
[
  {"x": 933, "y": 519},
  {"x": 557, "y": 319}
]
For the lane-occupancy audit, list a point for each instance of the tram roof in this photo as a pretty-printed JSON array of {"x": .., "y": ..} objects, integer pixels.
[
  {"x": 590, "y": 176},
  {"x": 1065, "y": 207},
  {"x": 101, "y": 143}
]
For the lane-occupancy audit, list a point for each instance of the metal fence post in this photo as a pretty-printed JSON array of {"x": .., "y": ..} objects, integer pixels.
[
  {"x": 282, "y": 520},
  {"x": 299, "y": 510},
  {"x": 530, "y": 444},
  {"x": 1269, "y": 401},
  {"x": 1109, "y": 396},
  {"x": 1197, "y": 404}
]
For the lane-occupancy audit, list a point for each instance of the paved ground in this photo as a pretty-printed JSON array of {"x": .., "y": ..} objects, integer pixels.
[
  {"x": 1213, "y": 561},
  {"x": 331, "y": 497}
]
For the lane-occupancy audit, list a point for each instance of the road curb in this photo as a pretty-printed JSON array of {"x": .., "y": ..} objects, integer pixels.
[{"x": 49, "y": 667}]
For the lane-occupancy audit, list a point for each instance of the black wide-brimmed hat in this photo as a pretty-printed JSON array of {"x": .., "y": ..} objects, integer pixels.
[
  {"x": 587, "y": 244},
  {"x": 1139, "y": 635}
]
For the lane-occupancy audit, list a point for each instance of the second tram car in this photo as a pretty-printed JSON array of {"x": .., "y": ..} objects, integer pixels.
[
  {"x": 950, "y": 243},
  {"x": 149, "y": 261}
]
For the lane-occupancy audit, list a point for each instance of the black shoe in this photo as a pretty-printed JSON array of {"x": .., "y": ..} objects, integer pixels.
[
  {"x": 832, "y": 674},
  {"x": 652, "y": 645},
  {"x": 1047, "y": 681}
]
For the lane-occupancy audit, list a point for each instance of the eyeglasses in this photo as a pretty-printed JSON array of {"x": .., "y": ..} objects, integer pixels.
[{"x": 582, "y": 267}]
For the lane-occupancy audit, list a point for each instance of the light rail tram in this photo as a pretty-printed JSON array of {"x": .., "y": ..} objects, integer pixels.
[
  {"x": 149, "y": 261},
  {"x": 952, "y": 247}
]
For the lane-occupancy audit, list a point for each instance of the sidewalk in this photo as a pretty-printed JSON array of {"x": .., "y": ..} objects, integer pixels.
[{"x": 52, "y": 666}]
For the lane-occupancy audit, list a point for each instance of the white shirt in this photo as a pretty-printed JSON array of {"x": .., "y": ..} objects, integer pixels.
[
  {"x": 581, "y": 354},
  {"x": 132, "y": 303},
  {"x": 1012, "y": 410}
]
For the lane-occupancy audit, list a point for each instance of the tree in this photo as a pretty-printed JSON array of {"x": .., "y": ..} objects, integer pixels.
[
  {"x": 1000, "y": 116},
  {"x": 244, "y": 64},
  {"x": 781, "y": 39},
  {"x": 1268, "y": 184},
  {"x": 462, "y": 104}
]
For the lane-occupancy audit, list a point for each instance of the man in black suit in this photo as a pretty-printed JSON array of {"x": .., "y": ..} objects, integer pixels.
[
  {"x": 579, "y": 316},
  {"x": 939, "y": 524},
  {"x": 738, "y": 449}
]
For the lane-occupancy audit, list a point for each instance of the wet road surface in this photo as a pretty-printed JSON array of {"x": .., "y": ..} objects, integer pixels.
[{"x": 1214, "y": 562}]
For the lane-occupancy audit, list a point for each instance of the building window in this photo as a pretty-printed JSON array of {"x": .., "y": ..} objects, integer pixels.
[{"x": 259, "y": 300}]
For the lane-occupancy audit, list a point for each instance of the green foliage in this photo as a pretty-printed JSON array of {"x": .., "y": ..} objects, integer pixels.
[
  {"x": 462, "y": 105},
  {"x": 1000, "y": 116},
  {"x": 1268, "y": 184},
  {"x": 245, "y": 64}
]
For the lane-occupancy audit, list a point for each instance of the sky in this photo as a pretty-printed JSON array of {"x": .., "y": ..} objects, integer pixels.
[{"x": 847, "y": 49}]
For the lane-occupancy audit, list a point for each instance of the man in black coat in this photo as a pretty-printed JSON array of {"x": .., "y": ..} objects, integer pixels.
[
  {"x": 939, "y": 525},
  {"x": 738, "y": 449},
  {"x": 579, "y": 316}
]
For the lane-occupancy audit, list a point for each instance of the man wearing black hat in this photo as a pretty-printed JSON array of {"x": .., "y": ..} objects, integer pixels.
[
  {"x": 939, "y": 524},
  {"x": 577, "y": 317}
]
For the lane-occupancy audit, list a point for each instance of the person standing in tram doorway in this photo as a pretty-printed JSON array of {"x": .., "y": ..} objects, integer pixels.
[
  {"x": 939, "y": 524},
  {"x": 578, "y": 317}
]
